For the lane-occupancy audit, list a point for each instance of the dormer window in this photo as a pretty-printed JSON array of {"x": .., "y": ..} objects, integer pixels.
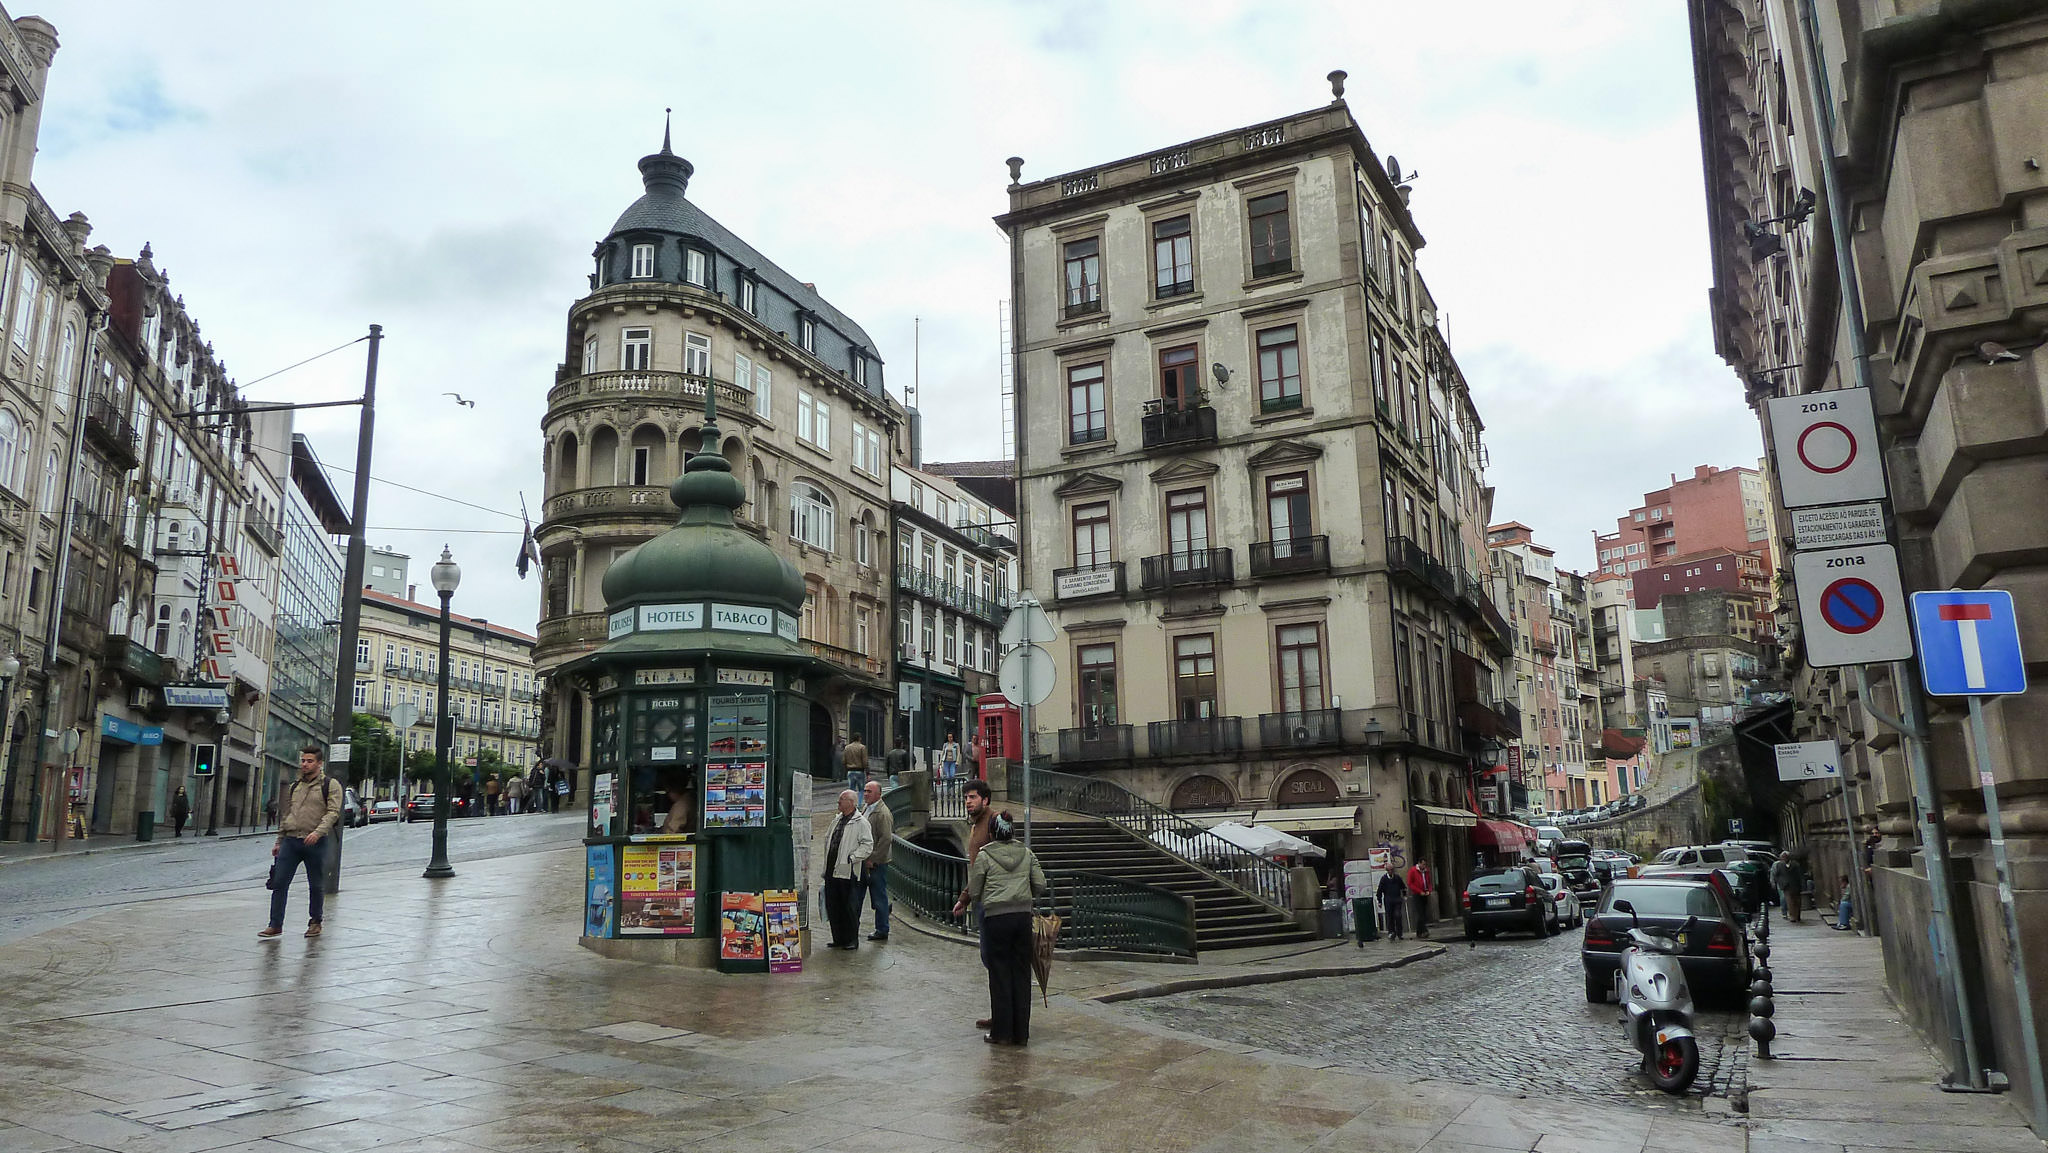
[
  {"x": 643, "y": 261},
  {"x": 747, "y": 293},
  {"x": 807, "y": 334},
  {"x": 860, "y": 368},
  {"x": 694, "y": 268}
]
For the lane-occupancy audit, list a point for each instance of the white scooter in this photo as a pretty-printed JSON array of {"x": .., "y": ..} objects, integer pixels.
[{"x": 1657, "y": 1004}]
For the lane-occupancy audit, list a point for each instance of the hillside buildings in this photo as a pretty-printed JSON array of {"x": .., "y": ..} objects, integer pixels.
[
  {"x": 1249, "y": 475},
  {"x": 677, "y": 305},
  {"x": 1905, "y": 139}
]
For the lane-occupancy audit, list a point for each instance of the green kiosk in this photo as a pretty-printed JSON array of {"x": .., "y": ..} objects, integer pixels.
[{"x": 697, "y": 847}]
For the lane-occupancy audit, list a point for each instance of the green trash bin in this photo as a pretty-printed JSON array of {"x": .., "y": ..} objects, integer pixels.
[
  {"x": 145, "y": 825},
  {"x": 1362, "y": 920}
]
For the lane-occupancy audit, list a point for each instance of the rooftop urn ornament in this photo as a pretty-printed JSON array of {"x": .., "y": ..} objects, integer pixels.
[
  {"x": 1016, "y": 164},
  {"x": 1337, "y": 85}
]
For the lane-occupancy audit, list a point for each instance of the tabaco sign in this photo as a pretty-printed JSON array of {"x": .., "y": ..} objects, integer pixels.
[{"x": 1308, "y": 787}]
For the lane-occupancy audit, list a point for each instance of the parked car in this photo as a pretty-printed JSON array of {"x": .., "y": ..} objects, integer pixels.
[
  {"x": 1610, "y": 865},
  {"x": 1714, "y": 953},
  {"x": 1574, "y": 860},
  {"x": 1570, "y": 912},
  {"x": 1753, "y": 873},
  {"x": 1510, "y": 898},
  {"x": 1547, "y": 837},
  {"x": 419, "y": 807},
  {"x": 1637, "y": 801},
  {"x": 383, "y": 811},
  {"x": 353, "y": 814}
]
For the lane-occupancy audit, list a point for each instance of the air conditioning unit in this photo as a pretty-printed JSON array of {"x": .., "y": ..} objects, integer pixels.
[{"x": 142, "y": 698}]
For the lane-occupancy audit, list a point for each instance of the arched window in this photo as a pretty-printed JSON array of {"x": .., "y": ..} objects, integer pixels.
[
  {"x": 61, "y": 385},
  {"x": 50, "y": 496},
  {"x": 864, "y": 539},
  {"x": 13, "y": 451},
  {"x": 163, "y": 630},
  {"x": 810, "y": 515}
]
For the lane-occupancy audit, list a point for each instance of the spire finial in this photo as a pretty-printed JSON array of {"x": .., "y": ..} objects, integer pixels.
[{"x": 665, "y": 114}]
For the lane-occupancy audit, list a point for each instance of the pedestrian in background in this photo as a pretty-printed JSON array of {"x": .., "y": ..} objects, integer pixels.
[
  {"x": 1393, "y": 894},
  {"x": 847, "y": 849},
  {"x": 312, "y": 806},
  {"x": 874, "y": 886},
  {"x": 515, "y": 792},
  {"x": 854, "y": 755},
  {"x": 898, "y": 762},
  {"x": 1006, "y": 880},
  {"x": 949, "y": 758},
  {"x": 1845, "y": 906},
  {"x": 1786, "y": 879},
  {"x": 1420, "y": 885},
  {"x": 491, "y": 788},
  {"x": 181, "y": 811}
]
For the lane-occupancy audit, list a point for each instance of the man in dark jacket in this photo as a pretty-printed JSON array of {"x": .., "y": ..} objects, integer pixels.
[
  {"x": 1393, "y": 894},
  {"x": 181, "y": 811}
]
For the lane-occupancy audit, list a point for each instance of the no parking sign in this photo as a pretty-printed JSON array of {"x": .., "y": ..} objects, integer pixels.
[{"x": 1852, "y": 606}]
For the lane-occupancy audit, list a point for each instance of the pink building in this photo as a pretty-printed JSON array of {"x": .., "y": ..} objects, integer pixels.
[{"x": 1717, "y": 509}]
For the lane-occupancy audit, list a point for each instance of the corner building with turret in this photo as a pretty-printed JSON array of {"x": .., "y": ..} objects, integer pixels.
[{"x": 676, "y": 305}]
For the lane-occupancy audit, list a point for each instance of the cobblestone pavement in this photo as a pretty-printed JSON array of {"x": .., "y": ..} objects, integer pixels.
[
  {"x": 39, "y": 892},
  {"x": 1509, "y": 1015}
]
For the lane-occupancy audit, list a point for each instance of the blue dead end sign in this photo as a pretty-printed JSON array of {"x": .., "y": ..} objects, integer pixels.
[{"x": 1969, "y": 643}]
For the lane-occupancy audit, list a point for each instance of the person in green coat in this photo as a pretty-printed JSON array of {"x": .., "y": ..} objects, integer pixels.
[{"x": 1006, "y": 880}]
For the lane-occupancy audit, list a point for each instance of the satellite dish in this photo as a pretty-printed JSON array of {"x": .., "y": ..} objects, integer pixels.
[{"x": 1393, "y": 169}]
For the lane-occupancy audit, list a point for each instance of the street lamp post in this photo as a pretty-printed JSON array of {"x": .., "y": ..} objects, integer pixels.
[
  {"x": 10, "y": 668},
  {"x": 446, "y": 575},
  {"x": 215, "y": 801}
]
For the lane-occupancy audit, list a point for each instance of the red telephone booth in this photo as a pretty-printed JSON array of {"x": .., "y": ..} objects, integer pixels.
[{"x": 997, "y": 724}]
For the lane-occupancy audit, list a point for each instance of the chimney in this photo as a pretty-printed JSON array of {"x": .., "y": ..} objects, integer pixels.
[{"x": 412, "y": 593}]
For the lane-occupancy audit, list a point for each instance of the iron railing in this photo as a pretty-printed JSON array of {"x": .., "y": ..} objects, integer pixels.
[
  {"x": 1204, "y": 736},
  {"x": 1187, "y": 568},
  {"x": 1406, "y": 556},
  {"x": 1301, "y": 554},
  {"x": 1178, "y": 426},
  {"x": 1173, "y": 833},
  {"x": 932, "y": 587},
  {"x": 1097, "y": 911},
  {"x": 1096, "y": 743}
]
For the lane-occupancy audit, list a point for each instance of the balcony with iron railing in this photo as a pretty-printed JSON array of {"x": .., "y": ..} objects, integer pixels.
[
  {"x": 1495, "y": 630},
  {"x": 1308, "y": 729},
  {"x": 268, "y": 535},
  {"x": 1163, "y": 427},
  {"x": 1189, "y": 568},
  {"x": 931, "y": 587},
  {"x": 1201, "y": 736},
  {"x": 1294, "y": 556},
  {"x": 91, "y": 525},
  {"x": 1407, "y": 558},
  {"x": 109, "y": 428},
  {"x": 1096, "y": 743}
]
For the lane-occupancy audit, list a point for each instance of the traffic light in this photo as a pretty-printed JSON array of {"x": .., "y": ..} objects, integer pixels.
[{"x": 202, "y": 759}]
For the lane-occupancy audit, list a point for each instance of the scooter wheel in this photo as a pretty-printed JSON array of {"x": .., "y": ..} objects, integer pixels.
[{"x": 1673, "y": 1065}]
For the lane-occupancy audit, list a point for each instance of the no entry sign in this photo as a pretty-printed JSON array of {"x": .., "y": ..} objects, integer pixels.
[
  {"x": 1826, "y": 448},
  {"x": 1852, "y": 607}
]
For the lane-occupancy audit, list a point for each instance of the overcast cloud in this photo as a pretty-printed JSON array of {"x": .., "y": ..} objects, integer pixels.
[{"x": 444, "y": 169}]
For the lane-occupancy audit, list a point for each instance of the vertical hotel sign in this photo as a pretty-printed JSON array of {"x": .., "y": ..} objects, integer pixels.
[{"x": 220, "y": 620}]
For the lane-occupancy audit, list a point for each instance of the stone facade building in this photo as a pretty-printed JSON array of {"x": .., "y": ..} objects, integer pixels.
[
  {"x": 1249, "y": 480},
  {"x": 1914, "y": 151},
  {"x": 676, "y": 305}
]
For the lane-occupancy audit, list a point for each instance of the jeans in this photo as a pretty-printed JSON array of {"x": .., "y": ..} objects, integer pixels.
[
  {"x": 856, "y": 779},
  {"x": 291, "y": 852},
  {"x": 874, "y": 888},
  {"x": 1418, "y": 909},
  {"x": 1842, "y": 914},
  {"x": 1393, "y": 909},
  {"x": 1006, "y": 938}
]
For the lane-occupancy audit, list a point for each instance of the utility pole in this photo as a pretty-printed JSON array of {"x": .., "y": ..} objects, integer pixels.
[{"x": 352, "y": 587}]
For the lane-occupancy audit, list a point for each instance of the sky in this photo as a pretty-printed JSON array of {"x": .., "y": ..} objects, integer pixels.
[{"x": 444, "y": 170}]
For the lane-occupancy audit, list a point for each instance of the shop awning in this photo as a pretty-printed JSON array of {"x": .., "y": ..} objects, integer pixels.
[
  {"x": 1506, "y": 836},
  {"x": 1453, "y": 818},
  {"x": 1331, "y": 819},
  {"x": 1210, "y": 818}
]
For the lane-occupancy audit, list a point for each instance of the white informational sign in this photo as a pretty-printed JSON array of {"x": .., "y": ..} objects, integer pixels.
[
  {"x": 1027, "y": 625},
  {"x": 1838, "y": 525},
  {"x": 1852, "y": 606},
  {"x": 740, "y": 618},
  {"x": 908, "y": 696},
  {"x": 1809, "y": 760},
  {"x": 196, "y": 696},
  {"x": 1087, "y": 582},
  {"x": 337, "y": 753},
  {"x": 671, "y": 618},
  {"x": 658, "y": 677},
  {"x": 619, "y": 624},
  {"x": 1826, "y": 448}
]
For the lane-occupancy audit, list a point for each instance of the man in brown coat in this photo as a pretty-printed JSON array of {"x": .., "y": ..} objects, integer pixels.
[
  {"x": 312, "y": 807},
  {"x": 874, "y": 882},
  {"x": 977, "y": 796},
  {"x": 855, "y": 757}
]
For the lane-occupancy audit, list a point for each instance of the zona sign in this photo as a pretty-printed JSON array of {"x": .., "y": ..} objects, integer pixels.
[
  {"x": 1852, "y": 607},
  {"x": 1826, "y": 447}
]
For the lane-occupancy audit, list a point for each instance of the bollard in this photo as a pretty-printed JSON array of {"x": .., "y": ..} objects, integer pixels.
[{"x": 1761, "y": 1005}]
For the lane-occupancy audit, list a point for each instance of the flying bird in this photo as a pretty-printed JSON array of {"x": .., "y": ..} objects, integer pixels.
[{"x": 472, "y": 404}]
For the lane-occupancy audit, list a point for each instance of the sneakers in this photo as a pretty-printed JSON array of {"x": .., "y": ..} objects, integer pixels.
[
  {"x": 269, "y": 931},
  {"x": 313, "y": 928}
]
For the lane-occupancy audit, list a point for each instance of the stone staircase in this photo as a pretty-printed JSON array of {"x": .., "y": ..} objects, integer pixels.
[{"x": 1226, "y": 917}]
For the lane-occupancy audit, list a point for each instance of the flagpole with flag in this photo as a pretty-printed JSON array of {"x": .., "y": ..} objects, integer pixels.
[{"x": 529, "y": 553}]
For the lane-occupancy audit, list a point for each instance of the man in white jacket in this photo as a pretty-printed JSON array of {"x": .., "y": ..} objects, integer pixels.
[{"x": 847, "y": 848}]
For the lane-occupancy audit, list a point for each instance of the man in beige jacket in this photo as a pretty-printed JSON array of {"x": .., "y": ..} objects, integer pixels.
[
  {"x": 312, "y": 806},
  {"x": 874, "y": 884}
]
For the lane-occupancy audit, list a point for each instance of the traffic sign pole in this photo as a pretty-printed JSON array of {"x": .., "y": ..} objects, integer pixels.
[{"x": 2015, "y": 954}]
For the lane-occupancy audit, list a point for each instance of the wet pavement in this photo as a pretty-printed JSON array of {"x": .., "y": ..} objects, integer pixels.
[
  {"x": 1508, "y": 1013},
  {"x": 462, "y": 1016}
]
